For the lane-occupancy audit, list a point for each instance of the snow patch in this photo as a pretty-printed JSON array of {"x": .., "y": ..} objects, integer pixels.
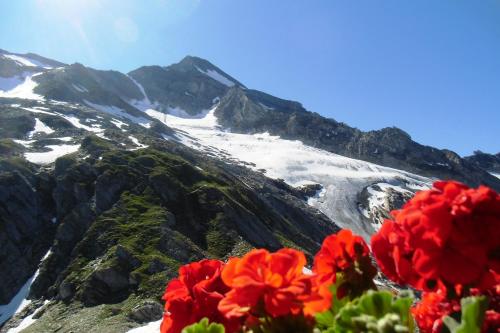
[
  {"x": 76, "y": 122},
  {"x": 216, "y": 76},
  {"x": 151, "y": 327},
  {"x": 26, "y": 61},
  {"x": 143, "y": 104},
  {"x": 117, "y": 112},
  {"x": 55, "y": 152},
  {"x": 38, "y": 110},
  {"x": 180, "y": 113},
  {"x": 267, "y": 108},
  {"x": 23, "y": 88},
  {"x": 495, "y": 174},
  {"x": 26, "y": 143},
  {"x": 79, "y": 88},
  {"x": 137, "y": 143},
  {"x": 19, "y": 301},
  {"x": 119, "y": 124},
  {"x": 28, "y": 320},
  {"x": 40, "y": 127}
]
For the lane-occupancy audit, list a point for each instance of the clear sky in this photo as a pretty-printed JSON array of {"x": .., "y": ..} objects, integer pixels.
[{"x": 429, "y": 67}]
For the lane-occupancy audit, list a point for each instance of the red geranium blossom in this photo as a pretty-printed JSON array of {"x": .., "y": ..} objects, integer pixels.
[
  {"x": 446, "y": 236},
  {"x": 345, "y": 253},
  {"x": 269, "y": 283},
  {"x": 429, "y": 312},
  {"x": 195, "y": 295},
  {"x": 492, "y": 316}
]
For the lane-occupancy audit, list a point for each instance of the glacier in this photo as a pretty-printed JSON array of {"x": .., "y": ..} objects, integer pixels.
[{"x": 341, "y": 178}]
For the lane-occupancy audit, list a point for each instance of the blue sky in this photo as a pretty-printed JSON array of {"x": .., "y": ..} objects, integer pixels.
[{"x": 429, "y": 67}]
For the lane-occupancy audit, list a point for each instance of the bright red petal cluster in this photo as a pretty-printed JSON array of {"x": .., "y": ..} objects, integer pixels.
[
  {"x": 194, "y": 295},
  {"x": 349, "y": 254},
  {"x": 429, "y": 312},
  {"x": 268, "y": 283},
  {"x": 492, "y": 315},
  {"x": 443, "y": 237}
]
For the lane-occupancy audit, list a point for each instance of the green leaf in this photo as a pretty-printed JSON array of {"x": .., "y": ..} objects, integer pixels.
[
  {"x": 376, "y": 304},
  {"x": 472, "y": 316},
  {"x": 326, "y": 319},
  {"x": 374, "y": 312},
  {"x": 402, "y": 307},
  {"x": 204, "y": 327}
]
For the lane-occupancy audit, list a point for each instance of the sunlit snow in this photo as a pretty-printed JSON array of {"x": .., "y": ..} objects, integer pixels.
[
  {"x": 27, "y": 321},
  {"x": 137, "y": 143},
  {"x": 77, "y": 123},
  {"x": 40, "y": 127},
  {"x": 23, "y": 87},
  {"x": 26, "y": 143},
  {"x": 37, "y": 109},
  {"x": 79, "y": 88},
  {"x": 217, "y": 76},
  {"x": 116, "y": 111},
  {"x": 118, "y": 123},
  {"x": 19, "y": 301},
  {"x": 142, "y": 104},
  {"x": 148, "y": 328},
  {"x": 26, "y": 61},
  {"x": 55, "y": 152}
]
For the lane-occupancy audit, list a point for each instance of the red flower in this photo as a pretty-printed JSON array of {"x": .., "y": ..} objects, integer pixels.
[
  {"x": 446, "y": 236},
  {"x": 345, "y": 253},
  {"x": 432, "y": 308},
  {"x": 195, "y": 295},
  {"x": 491, "y": 322},
  {"x": 269, "y": 283}
]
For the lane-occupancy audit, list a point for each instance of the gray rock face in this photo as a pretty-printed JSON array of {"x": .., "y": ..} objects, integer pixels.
[
  {"x": 377, "y": 202},
  {"x": 15, "y": 124},
  {"x": 66, "y": 291},
  {"x": 148, "y": 311},
  {"x": 80, "y": 84},
  {"x": 310, "y": 190},
  {"x": 488, "y": 162},
  {"x": 25, "y": 231},
  {"x": 184, "y": 85},
  {"x": 107, "y": 285}
]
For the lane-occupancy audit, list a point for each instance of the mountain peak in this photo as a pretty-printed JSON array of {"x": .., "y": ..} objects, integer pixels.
[
  {"x": 192, "y": 63},
  {"x": 196, "y": 61}
]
